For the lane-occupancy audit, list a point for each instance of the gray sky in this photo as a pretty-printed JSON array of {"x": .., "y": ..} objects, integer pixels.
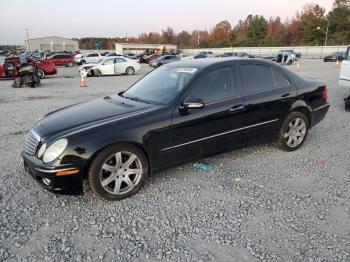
[{"x": 112, "y": 18}]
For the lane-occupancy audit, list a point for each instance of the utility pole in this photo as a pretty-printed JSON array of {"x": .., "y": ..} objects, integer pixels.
[
  {"x": 325, "y": 40},
  {"x": 28, "y": 40}
]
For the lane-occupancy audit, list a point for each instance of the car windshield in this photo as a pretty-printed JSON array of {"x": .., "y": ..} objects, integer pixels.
[{"x": 161, "y": 86}]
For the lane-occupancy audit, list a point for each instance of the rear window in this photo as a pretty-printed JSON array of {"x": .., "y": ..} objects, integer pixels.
[
  {"x": 280, "y": 79},
  {"x": 256, "y": 78}
]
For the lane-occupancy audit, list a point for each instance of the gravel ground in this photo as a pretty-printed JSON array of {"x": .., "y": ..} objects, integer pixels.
[{"x": 258, "y": 203}]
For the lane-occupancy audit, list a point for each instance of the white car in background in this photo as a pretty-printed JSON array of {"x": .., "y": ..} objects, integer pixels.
[
  {"x": 111, "y": 66},
  {"x": 89, "y": 58},
  {"x": 344, "y": 77}
]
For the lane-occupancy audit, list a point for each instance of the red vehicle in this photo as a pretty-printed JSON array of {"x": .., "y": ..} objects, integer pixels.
[
  {"x": 61, "y": 59},
  {"x": 150, "y": 58},
  {"x": 9, "y": 67}
]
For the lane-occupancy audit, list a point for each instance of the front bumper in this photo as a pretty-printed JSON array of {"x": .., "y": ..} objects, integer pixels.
[
  {"x": 48, "y": 177},
  {"x": 51, "y": 72}
]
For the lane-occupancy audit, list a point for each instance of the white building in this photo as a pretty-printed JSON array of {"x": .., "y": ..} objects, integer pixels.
[
  {"x": 134, "y": 48},
  {"x": 52, "y": 43}
]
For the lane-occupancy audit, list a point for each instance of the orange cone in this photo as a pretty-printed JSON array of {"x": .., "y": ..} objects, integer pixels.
[
  {"x": 298, "y": 67},
  {"x": 82, "y": 81},
  {"x": 337, "y": 65}
]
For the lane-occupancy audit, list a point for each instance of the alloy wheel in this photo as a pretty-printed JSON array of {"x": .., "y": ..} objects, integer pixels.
[
  {"x": 120, "y": 173},
  {"x": 295, "y": 132}
]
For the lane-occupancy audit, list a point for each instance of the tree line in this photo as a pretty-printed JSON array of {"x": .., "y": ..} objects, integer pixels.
[{"x": 307, "y": 27}]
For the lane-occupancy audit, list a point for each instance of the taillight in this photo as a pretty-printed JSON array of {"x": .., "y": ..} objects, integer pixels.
[{"x": 325, "y": 93}]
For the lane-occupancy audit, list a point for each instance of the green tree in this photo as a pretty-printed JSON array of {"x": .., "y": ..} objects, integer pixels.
[
  {"x": 339, "y": 23},
  {"x": 184, "y": 39},
  {"x": 257, "y": 29},
  {"x": 313, "y": 25}
]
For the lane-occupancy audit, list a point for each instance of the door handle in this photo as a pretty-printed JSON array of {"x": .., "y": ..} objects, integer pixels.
[
  {"x": 236, "y": 109},
  {"x": 286, "y": 95}
]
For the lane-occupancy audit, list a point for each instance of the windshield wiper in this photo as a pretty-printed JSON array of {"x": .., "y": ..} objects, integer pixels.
[{"x": 137, "y": 99}]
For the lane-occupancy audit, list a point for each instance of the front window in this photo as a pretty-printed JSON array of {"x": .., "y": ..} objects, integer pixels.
[
  {"x": 108, "y": 62},
  {"x": 162, "y": 85}
]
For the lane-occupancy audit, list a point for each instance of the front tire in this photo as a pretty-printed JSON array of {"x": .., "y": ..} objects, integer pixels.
[
  {"x": 293, "y": 131},
  {"x": 118, "y": 172},
  {"x": 97, "y": 73}
]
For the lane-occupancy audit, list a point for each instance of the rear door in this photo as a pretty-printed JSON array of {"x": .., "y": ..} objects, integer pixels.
[
  {"x": 268, "y": 95},
  {"x": 345, "y": 67}
]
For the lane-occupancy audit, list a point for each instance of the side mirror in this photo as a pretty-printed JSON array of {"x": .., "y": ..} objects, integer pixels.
[{"x": 192, "y": 103}]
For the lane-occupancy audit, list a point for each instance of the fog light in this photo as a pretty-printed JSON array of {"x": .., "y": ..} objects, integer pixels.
[{"x": 47, "y": 181}]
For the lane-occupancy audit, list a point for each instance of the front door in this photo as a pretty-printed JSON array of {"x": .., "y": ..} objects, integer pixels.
[
  {"x": 107, "y": 67},
  {"x": 215, "y": 127}
]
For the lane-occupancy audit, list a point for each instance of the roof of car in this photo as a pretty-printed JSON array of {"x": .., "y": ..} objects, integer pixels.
[{"x": 205, "y": 62}]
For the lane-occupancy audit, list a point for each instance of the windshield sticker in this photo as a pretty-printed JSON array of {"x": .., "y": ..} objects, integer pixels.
[{"x": 187, "y": 70}]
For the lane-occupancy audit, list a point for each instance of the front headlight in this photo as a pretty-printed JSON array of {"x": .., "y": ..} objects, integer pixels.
[
  {"x": 54, "y": 151},
  {"x": 41, "y": 150}
]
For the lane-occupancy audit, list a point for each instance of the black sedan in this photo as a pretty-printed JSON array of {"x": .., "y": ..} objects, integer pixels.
[
  {"x": 334, "y": 57},
  {"x": 180, "y": 112}
]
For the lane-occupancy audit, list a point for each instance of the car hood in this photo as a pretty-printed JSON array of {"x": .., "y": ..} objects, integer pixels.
[
  {"x": 89, "y": 65},
  {"x": 89, "y": 114}
]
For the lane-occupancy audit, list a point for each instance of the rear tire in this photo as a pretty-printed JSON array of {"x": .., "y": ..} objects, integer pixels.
[
  {"x": 293, "y": 132},
  {"x": 114, "y": 175}
]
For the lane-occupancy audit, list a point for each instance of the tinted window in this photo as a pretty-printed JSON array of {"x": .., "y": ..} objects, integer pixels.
[
  {"x": 280, "y": 79},
  {"x": 256, "y": 78},
  {"x": 215, "y": 86},
  {"x": 92, "y": 55}
]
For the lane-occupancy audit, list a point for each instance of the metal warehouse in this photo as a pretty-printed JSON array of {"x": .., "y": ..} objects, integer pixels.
[
  {"x": 52, "y": 43},
  {"x": 125, "y": 48}
]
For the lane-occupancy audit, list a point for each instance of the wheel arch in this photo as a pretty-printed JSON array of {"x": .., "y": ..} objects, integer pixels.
[
  {"x": 138, "y": 145},
  {"x": 302, "y": 107}
]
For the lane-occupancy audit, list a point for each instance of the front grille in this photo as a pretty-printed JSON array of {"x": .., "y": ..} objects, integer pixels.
[{"x": 32, "y": 142}]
